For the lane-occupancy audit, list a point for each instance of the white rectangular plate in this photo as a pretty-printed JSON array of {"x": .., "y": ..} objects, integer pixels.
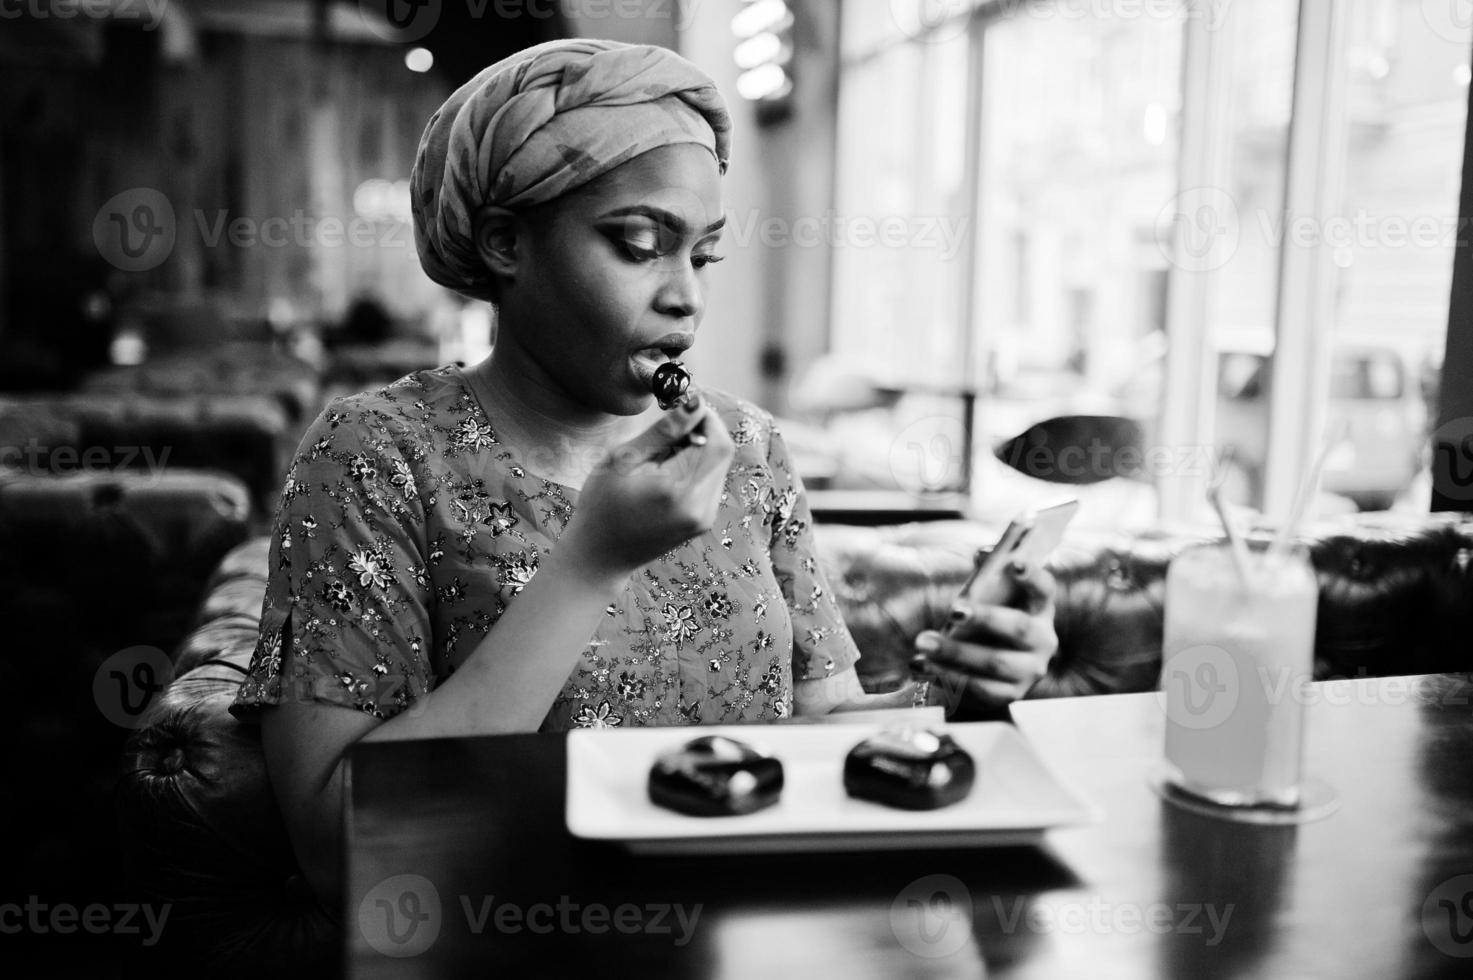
[{"x": 1016, "y": 797}]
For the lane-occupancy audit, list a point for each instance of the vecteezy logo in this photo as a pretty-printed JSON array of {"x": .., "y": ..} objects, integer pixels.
[
  {"x": 932, "y": 916},
  {"x": 928, "y": 455},
  {"x": 1199, "y": 686},
  {"x": 400, "y": 916},
  {"x": 931, "y": 20},
  {"x": 1447, "y": 916},
  {"x": 1451, "y": 20},
  {"x": 135, "y": 230},
  {"x": 400, "y": 21},
  {"x": 1198, "y": 230},
  {"x": 126, "y": 683},
  {"x": 1452, "y": 459}
]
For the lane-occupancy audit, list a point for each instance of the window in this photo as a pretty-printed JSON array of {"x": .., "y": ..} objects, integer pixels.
[
  {"x": 1120, "y": 200},
  {"x": 1400, "y": 148}
]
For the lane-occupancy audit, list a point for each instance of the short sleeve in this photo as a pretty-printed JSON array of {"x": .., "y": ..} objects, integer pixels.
[
  {"x": 822, "y": 645},
  {"x": 346, "y": 618}
]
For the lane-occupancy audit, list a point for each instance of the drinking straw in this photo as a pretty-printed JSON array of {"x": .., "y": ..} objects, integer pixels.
[
  {"x": 1309, "y": 485},
  {"x": 1236, "y": 547}
]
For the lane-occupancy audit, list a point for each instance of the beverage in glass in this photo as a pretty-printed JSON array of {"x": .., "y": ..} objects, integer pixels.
[{"x": 1237, "y": 656}]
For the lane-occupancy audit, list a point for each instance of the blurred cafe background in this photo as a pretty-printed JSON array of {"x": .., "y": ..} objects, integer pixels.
[
  {"x": 979, "y": 251},
  {"x": 1187, "y": 240}
]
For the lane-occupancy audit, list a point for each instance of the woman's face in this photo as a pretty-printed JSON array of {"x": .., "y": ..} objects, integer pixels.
[{"x": 610, "y": 280}]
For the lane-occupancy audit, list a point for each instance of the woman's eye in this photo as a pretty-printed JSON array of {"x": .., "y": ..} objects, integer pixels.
[
  {"x": 642, "y": 248},
  {"x": 701, "y": 261},
  {"x": 643, "y": 243}
]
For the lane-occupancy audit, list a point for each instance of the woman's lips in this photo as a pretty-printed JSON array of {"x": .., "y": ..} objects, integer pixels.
[{"x": 645, "y": 363}]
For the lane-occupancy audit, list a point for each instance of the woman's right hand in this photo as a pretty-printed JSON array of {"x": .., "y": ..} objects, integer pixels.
[{"x": 643, "y": 500}]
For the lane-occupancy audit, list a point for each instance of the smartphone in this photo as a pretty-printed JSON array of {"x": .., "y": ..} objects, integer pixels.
[{"x": 1029, "y": 538}]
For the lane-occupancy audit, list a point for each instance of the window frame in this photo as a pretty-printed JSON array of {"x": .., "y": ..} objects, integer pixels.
[{"x": 1298, "y": 399}]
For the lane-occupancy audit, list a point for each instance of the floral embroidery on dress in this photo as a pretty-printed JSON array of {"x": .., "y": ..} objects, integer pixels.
[
  {"x": 402, "y": 480},
  {"x": 405, "y": 526},
  {"x": 517, "y": 570},
  {"x": 372, "y": 567},
  {"x": 600, "y": 717},
  {"x": 631, "y": 688},
  {"x": 501, "y": 518},
  {"x": 271, "y": 655},
  {"x": 680, "y": 623},
  {"x": 772, "y": 680},
  {"x": 361, "y": 469},
  {"x": 472, "y": 435},
  {"x": 718, "y": 605},
  {"x": 778, "y": 506},
  {"x": 338, "y": 596},
  {"x": 452, "y": 591}
]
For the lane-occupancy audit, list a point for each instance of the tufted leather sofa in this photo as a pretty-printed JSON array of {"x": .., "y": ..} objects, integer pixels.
[
  {"x": 91, "y": 564},
  {"x": 195, "y": 802},
  {"x": 246, "y": 435}
]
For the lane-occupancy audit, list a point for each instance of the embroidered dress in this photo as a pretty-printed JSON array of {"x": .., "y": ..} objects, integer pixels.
[{"x": 405, "y": 529}]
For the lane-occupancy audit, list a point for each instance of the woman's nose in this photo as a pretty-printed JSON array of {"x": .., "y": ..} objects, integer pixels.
[{"x": 681, "y": 294}]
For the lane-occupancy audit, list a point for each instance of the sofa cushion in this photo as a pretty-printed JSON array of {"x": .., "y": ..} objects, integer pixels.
[
  {"x": 238, "y": 368},
  {"x": 1396, "y": 597},
  {"x": 248, "y": 436},
  {"x": 127, "y": 553},
  {"x": 204, "y": 835},
  {"x": 93, "y": 566}
]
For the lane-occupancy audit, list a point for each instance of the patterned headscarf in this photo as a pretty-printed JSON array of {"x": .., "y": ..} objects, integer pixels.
[{"x": 541, "y": 123}]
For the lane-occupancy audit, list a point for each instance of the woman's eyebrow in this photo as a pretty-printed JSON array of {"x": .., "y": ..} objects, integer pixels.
[{"x": 667, "y": 218}]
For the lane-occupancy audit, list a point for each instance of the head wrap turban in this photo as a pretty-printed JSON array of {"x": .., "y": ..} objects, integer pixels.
[{"x": 544, "y": 122}]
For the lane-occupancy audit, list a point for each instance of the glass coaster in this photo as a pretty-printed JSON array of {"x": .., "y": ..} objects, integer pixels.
[{"x": 1317, "y": 800}]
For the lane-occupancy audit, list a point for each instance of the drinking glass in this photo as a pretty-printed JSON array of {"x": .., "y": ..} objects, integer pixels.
[{"x": 1237, "y": 659}]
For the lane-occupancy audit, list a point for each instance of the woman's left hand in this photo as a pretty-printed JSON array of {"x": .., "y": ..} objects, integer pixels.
[
  {"x": 994, "y": 654},
  {"x": 843, "y": 692}
]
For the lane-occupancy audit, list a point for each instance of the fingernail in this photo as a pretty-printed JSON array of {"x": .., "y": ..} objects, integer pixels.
[
  {"x": 697, "y": 439},
  {"x": 692, "y": 403},
  {"x": 958, "y": 613},
  {"x": 928, "y": 642}
]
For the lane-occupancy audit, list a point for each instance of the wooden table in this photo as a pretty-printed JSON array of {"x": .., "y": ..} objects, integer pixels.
[{"x": 1383, "y": 888}]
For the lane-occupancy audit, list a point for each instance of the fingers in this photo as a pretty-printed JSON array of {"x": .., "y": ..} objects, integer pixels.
[
  {"x": 671, "y": 430},
  {"x": 702, "y": 466},
  {"x": 976, "y": 659},
  {"x": 1035, "y": 584},
  {"x": 970, "y": 673},
  {"x": 902, "y": 697},
  {"x": 689, "y": 441},
  {"x": 953, "y": 689},
  {"x": 1001, "y": 626}
]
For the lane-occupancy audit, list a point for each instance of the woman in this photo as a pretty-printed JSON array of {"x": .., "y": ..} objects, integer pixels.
[{"x": 531, "y": 543}]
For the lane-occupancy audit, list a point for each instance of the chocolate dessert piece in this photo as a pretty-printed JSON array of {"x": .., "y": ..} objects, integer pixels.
[
  {"x": 715, "y": 776},
  {"x": 912, "y": 769},
  {"x": 669, "y": 384}
]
